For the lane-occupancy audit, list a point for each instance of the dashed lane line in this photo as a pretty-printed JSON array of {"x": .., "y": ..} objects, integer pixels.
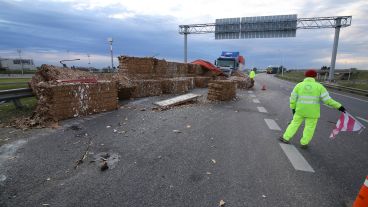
[
  {"x": 272, "y": 124},
  {"x": 296, "y": 159},
  {"x": 250, "y": 91},
  {"x": 256, "y": 101},
  {"x": 252, "y": 95},
  {"x": 261, "y": 109}
]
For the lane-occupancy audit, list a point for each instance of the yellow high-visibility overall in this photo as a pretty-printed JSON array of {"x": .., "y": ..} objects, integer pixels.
[
  {"x": 305, "y": 99},
  {"x": 252, "y": 74}
]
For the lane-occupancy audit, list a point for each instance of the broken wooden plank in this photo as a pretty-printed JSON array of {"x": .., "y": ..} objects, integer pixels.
[{"x": 177, "y": 100}]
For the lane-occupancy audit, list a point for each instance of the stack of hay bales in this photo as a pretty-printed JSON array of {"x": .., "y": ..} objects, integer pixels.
[
  {"x": 64, "y": 93},
  {"x": 68, "y": 100},
  {"x": 221, "y": 90},
  {"x": 142, "y": 77}
]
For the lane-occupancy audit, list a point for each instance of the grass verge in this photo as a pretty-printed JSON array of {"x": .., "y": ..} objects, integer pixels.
[
  {"x": 15, "y": 83},
  {"x": 8, "y": 111},
  {"x": 359, "y": 82}
]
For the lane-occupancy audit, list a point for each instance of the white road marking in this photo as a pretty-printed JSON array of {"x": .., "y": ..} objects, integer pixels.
[
  {"x": 250, "y": 91},
  {"x": 261, "y": 109},
  {"x": 272, "y": 124},
  {"x": 252, "y": 95},
  {"x": 362, "y": 119},
  {"x": 349, "y": 97},
  {"x": 256, "y": 101},
  {"x": 296, "y": 159}
]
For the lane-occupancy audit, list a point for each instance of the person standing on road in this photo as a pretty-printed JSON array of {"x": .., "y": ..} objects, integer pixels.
[
  {"x": 305, "y": 105},
  {"x": 252, "y": 74}
]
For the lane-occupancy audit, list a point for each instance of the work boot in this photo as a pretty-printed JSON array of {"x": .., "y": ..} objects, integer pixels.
[
  {"x": 284, "y": 140},
  {"x": 304, "y": 146}
]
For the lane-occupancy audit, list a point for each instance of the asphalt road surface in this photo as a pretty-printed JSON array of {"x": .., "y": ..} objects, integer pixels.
[{"x": 221, "y": 151}]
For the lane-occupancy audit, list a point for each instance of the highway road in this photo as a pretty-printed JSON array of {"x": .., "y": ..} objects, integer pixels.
[{"x": 220, "y": 151}]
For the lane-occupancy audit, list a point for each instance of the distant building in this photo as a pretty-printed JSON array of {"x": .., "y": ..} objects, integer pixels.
[{"x": 16, "y": 64}]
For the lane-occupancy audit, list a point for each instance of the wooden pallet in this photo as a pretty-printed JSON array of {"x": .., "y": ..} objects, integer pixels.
[{"x": 177, "y": 100}]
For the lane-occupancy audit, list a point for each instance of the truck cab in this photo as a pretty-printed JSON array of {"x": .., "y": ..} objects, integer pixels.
[{"x": 228, "y": 62}]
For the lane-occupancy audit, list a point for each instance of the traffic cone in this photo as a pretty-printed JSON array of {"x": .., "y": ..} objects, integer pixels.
[
  {"x": 263, "y": 87},
  {"x": 362, "y": 198}
]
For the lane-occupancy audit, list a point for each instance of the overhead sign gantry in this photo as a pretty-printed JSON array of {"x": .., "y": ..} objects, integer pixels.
[{"x": 278, "y": 26}]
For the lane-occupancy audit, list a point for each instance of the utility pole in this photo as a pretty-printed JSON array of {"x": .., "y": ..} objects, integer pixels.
[
  {"x": 20, "y": 59},
  {"x": 89, "y": 62},
  {"x": 112, "y": 58}
]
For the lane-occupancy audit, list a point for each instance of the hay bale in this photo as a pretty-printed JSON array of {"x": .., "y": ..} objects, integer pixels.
[
  {"x": 201, "y": 82},
  {"x": 175, "y": 85},
  {"x": 144, "y": 88},
  {"x": 242, "y": 83},
  {"x": 221, "y": 90},
  {"x": 65, "y": 100}
]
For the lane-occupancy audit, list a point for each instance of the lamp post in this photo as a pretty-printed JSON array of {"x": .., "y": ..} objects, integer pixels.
[{"x": 112, "y": 58}]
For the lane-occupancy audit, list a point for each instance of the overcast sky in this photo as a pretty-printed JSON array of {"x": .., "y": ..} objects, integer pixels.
[{"x": 49, "y": 31}]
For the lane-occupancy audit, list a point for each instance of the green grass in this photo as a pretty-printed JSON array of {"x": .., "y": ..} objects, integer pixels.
[
  {"x": 14, "y": 80},
  {"x": 360, "y": 75},
  {"x": 21, "y": 83},
  {"x": 17, "y": 71},
  {"x": 8, "y": 111},
  {"x": 293, "y": 76},
  {"x": 363, "y": 86}
]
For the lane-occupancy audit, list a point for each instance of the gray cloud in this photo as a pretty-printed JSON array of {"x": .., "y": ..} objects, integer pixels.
[{"x": 40, "y": 26}]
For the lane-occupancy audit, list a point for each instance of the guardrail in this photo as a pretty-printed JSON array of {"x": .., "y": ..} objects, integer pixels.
[
  {"x": 329, "y": 85},
  {"x": 14, "y": 95},
  {"x": 348, "y": 89}
]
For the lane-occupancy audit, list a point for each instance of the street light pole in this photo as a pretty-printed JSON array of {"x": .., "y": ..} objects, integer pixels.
[{"x": 112, "y": 58}]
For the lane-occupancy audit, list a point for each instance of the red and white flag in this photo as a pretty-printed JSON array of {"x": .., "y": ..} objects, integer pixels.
[{"x": 346, "y": 123}]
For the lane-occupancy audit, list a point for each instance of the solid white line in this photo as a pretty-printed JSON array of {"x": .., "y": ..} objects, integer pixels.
[
  {"x": 349, "y": 97},
  {"x": 296, "y": 159},
  {"x": 272, "y": 124},
  {"x": 256, "y": 101},
  {"x": 362, "y": 119},
  {"x": 252, "y": 95},
  {"x": 261, "y": 109}
]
